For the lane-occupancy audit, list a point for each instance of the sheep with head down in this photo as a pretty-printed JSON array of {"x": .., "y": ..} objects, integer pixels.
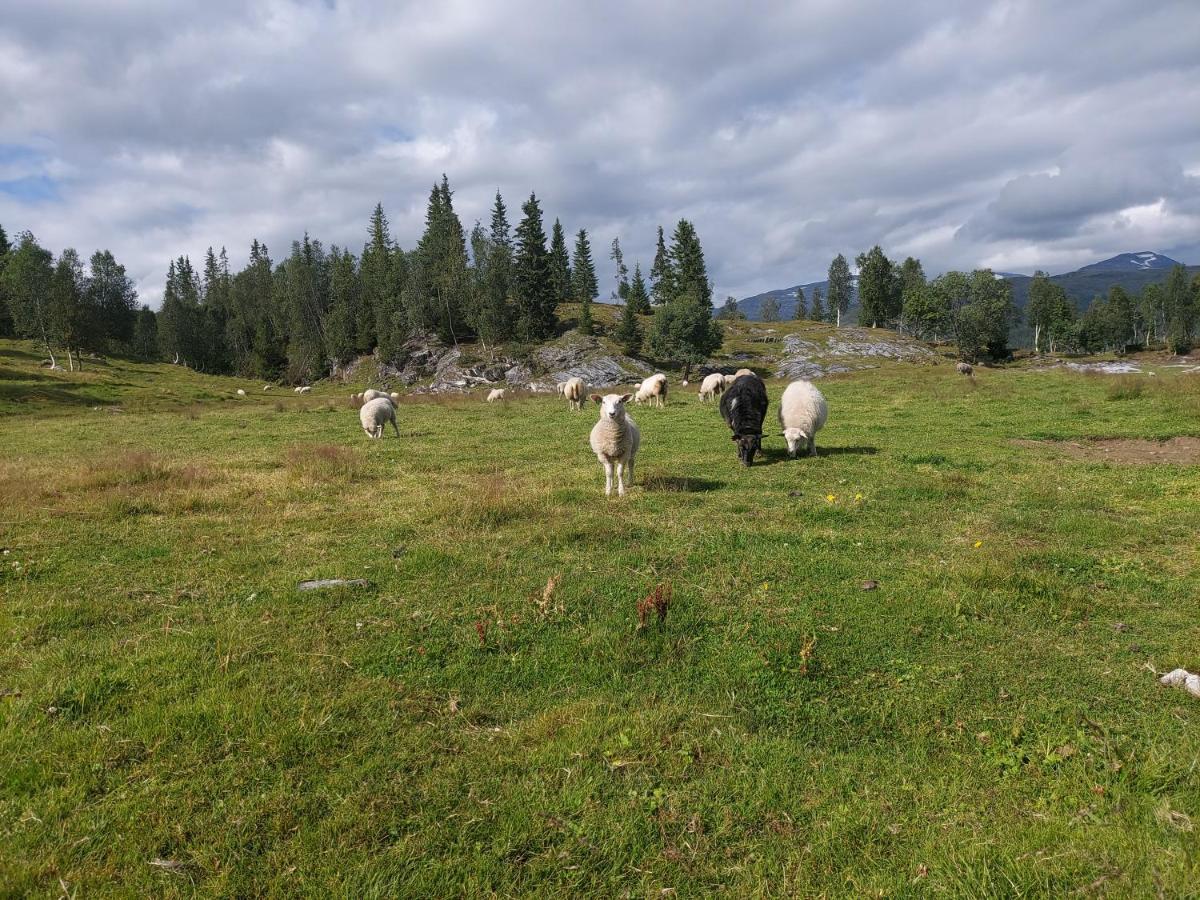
[
  {"x": 744, "y": 407},
  {"x": 712, "y": 386},
  {"x": 573, "y": 389},
  {"x": 653, "y": 390},
  {"x": 377, "y": 413},
  {"x": 802, "y": 413}
]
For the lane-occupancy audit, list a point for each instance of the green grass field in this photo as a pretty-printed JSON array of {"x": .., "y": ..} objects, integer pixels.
[{"x": 177, "y": 719}]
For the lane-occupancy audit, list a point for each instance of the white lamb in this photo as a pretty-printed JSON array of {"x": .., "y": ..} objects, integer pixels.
[
  {"x": 241, "y": 392},
  {"x": 740, "y": 372},
  {"x": 802, "y": 413},
  {"x": 615, "y": 439},
  {"x": 712, "y": 386},
  {"x": 653, "y": 389},
  {"x": 303, "y": 390},
  {"x": 729, "y": 380},
  {"x": 267, "y": 387},
  {"x": 495, "y": 394},
  {"x": 573, "y": 389},
  {"x": 371, "y": 394},
  {"x": 377, "y": 413}
]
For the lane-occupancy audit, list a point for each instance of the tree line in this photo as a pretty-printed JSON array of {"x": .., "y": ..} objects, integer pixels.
[
  {"x": 976, "y": 311},
  {"x": 320, "y": 307}
]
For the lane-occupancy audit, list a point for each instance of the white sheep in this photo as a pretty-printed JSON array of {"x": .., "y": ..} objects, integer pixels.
[
  {"x": 495, "y": 394},
  {"x": 267, "y": 387},
  {"x": 371, "y": 394},
  {"x": 740, "y": 372},
  {"x": 573, "y": 389},
  {"x": 241, "y": 392},
  {"x": 615, "y": 439},
  {"x": 653, "y": 389},
  {"x": 964, "y": 368},
  {"x": 377, "y": 413},
  {"x": 303, "y": 390},
  {"x": 712, "y": 386},
  {"x": 394, "y": 397},
  {"x": 802, "y": 413},
  {"x": 729, "y": 380}
]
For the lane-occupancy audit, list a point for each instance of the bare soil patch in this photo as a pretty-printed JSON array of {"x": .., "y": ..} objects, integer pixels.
[{"x": 1183, "y": 451}]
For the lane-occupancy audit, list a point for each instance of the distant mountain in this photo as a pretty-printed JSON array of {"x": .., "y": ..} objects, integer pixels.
[
  {"x": 1131, "y": 262},
  {"x": 752, "y": 306},
  {"x": 1132, "y": 271}
]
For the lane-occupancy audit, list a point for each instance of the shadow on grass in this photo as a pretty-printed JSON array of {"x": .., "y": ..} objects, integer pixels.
[
  {"x": 18, "y": 393},
  {"x": 772, "y": 455},
  {"x": 680, "y": 484}
]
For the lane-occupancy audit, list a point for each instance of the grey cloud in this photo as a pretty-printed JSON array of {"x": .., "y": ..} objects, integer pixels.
[{"x": 788, "y": 132}]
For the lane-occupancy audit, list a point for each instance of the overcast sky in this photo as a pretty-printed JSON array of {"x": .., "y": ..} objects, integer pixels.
[{"x": 1015, "y": 135}]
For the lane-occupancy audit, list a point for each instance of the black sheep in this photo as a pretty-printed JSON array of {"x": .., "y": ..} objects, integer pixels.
[{"x": 744, "y": 407}]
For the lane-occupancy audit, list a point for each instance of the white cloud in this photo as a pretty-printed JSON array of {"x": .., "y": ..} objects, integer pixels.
[{"x": 1015, "y": 134}]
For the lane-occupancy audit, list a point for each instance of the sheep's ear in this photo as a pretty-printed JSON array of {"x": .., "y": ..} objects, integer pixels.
[
  {"x": 596, "y": 397},
  {"x": 625, "y": 398}
]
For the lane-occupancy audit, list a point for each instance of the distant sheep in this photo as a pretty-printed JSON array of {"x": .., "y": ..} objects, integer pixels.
[
  {"x": 241, "y": 392},
  {"x": 394, "y": 397},
  {"x": 743, "y": 407},
  {"x": 303, "y": 390},
  {"x": 377, "y": 413},
  {"x": 964, "y": 368},
  {"x": 802, "y": 413},
  {"x": 267, "y": 387},
  {"x": 653, "y": 390},
  {"x": 712, "y": 386},
  {"x": 615, "y": 439},
  {"x": 740, "y": 372},
  {"x": 728, "y": 380},
  {"x": 495, "y": 394},
  {"x": 573, "y": 389}
]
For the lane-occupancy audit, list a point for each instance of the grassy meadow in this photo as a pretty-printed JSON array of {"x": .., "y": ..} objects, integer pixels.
[{"x": 176, "y": 719}]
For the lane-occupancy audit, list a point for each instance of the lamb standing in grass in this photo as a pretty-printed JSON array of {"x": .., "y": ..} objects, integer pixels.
[
  {"x": 495, "y": 394},
  {"x": 802, "y": 413},
  {"x": 573, "y": 389},
  {"x": 377, "y": 413},
  {"x": 615, "y": 439},
  {"x": 303, "y": 390},
  {"x": 653, "y": 389},
  {"x": 964, "y": 368},
  {"x": 712, "y": 386}
]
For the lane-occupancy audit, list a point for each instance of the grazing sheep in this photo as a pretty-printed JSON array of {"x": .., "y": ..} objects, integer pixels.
[
  {"x": 267, "y": 387},
  {"x": 377, "y": 413},
  {"x": 241, "y": 392},
  {"x": 802, "y": 413},
  {"x": 573, "y": 389},
  {"x": 964, "y": 368},
  {"x": 495, "y": 394},
  {"x": 744, "y": 406},
  {"x": 653, "y": 389},
  {"x": 740, "y": 372},
  {"x": 303, "y": 390},
  {"x": 371, "y": 394},
  {"x": 712, "y": 386},
  {"x": 615, "y": 439},
  {"x": 727, "y": 381},
  {"x": 394, "y": 397}
]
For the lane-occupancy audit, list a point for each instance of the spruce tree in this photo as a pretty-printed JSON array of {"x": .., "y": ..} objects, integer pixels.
[
  {"x": 638, "y": 298},
  {"x": 304, "y": 291},
  {"x": 6, "y": 322},
  {"x": 560, "y": 265},
  {"x": 114, "y": 298},
  {"x": 839, "y": 289},
  {"x": 345, "y": 307},
  {"x": 532, "y": 288},
  {"x": 144, "y": 344},
  {"x": 583, "y": 277},
  {"x": 801, "y": 311},
  {"x": 689, "y": 275},
  {"x": 493, "y": 320},
  {"x": 817, "y": 310},
  {"x": 437, "y": 280},
  {"x": 769, "y": 310},
  {"x": 622, "y": 272},
  {"x": 662, "y": 276},
  {"x": 629, "y": 329},
  {"x": 381, "y": 320}
]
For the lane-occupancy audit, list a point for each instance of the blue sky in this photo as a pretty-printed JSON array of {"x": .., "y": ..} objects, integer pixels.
[{"x": 1015, "y": 135}]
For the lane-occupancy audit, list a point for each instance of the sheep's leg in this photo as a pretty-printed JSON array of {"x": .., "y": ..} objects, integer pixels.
[
  {"x": 608, "y": 473},
  {"x": 620, "y": 479},
  {"x": 812, "y": 446},
  {"x": 397, "y": 427},
  {"x": 629, "y": 471}
]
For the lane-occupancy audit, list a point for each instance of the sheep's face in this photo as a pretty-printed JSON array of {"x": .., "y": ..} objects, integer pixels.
[
  {"x": 796, "y": 440},
  {"x": 748, "y": 446},
  {"x": 612, "y": 406}
]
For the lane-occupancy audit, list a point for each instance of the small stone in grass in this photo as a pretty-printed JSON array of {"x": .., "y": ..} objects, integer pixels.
[
  {"x": 1120, "y": 626},
  {"x": 870, "y": 585},
  {"x": 331, "y": 582}
]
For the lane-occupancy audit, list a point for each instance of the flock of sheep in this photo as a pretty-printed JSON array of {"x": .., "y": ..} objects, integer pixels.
[{"x": 615, "y": 438}]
